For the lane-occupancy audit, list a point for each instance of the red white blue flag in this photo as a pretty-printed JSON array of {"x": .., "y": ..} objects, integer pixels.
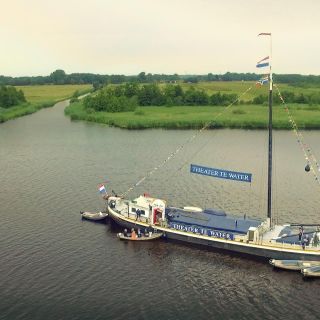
[
  {"x": 263, "y": 62},
  {"x": 102, "y": 189}
]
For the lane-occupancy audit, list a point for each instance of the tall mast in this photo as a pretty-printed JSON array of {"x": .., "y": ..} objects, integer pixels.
[{"x": 270, "y": 139}]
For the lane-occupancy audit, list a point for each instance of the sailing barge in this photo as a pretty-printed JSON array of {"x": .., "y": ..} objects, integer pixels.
[
  {"x": 212, "y": 228},
  {"x": 216, "y": 229}
]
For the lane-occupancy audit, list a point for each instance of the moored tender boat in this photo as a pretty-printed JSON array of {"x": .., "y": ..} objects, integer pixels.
[
  {"x": 311, "y": 272},
  {"x": 154, "y": 236},
  {"x": 94, "y": 216},
  {"x": 293, "y": 264}
]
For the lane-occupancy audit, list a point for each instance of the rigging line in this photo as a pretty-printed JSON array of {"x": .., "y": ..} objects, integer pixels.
[
  {"x": 194, "y": 154},
  {"x": 305, "y": 148},
  {"x": 178, "y": 170},
  {"x": 295, "y": 128},
  {"x": 300, "y": 139},
  {"x": 179, "y": 148}
]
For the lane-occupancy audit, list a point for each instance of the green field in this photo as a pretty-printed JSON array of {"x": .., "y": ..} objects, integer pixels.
[
  {"x": 246, "y": 116},
  {"x": 41, "y": 96},
  {"x": 240, "y": 116},
  {"x": 239, "y": 87}
]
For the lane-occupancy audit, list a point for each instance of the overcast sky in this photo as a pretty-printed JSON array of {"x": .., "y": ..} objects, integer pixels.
[{"x": 157, "y": 36}]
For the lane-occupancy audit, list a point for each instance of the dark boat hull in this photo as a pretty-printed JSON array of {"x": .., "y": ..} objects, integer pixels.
[{"x": 231, "y": 246}]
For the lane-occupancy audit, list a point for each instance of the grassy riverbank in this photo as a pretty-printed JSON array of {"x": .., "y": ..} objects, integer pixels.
[
  {"x": 240, "y": 116},
  {"x": 42, "y": 96},
  {"x": 244, "y": 115}
]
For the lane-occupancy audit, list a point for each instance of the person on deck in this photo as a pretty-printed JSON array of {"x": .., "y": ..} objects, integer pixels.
[
  {"x": 139, "y": 233},
  {"x": 133, "y": 234},
  {"x": 138, "y": 213},
  {"x": 305, "y": 242},
  {"x": 307, "y": 239},
  {"x": 150, "y": 231},
  {"x": 300, "y": 233}
]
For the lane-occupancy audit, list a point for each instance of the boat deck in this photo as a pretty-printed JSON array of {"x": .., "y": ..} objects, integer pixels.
[
  {"x": 212, "y": 219},
  {"x": 294, "y": 238},
  {"x": 259, "y": 246}
]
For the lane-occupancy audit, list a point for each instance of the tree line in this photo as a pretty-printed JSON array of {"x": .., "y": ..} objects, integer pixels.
[
  {"x": 60, "y": 77},
  {"x": 289, "y": 97},
  {"x": 130, "y": 95},
  {"x": 10, "y": 96}
]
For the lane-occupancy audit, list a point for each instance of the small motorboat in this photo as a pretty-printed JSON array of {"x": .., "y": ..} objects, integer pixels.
[
  {"x": 153, "y": 236},
  {"x": 311, "y": 272},
  {"x": 94, "y": 216},
  {"x": 293, "y": 264}
]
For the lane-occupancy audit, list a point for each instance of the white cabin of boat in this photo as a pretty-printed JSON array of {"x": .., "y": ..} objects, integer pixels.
[{"x": 144, "y": 208}]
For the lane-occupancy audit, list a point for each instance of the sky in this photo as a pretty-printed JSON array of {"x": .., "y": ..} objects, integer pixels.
[{"x": 157, "y": 36}]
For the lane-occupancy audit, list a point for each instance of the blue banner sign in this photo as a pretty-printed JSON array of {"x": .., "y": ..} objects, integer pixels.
[
  {"x": 202, "y": 231},
  {"x": 219, "y": 173}
]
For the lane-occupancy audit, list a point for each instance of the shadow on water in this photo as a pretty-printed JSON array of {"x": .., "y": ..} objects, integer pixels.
[{"x": 103, "y": 221}]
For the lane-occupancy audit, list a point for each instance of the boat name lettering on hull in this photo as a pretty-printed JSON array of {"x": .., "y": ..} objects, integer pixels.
[{"x": 202, "y": 231}]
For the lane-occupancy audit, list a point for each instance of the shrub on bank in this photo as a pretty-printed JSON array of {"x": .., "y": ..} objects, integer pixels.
[
  {"x": 109, "y": 100},
  {"x": 10, "y": 96}
]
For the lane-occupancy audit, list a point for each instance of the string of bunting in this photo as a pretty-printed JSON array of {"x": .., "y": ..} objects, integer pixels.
[
  {"x": 309, "y": 156},
  {"x": 179, "y": 148}
]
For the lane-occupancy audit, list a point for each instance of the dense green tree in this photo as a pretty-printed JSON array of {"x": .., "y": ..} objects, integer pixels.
[
  {"x": 10, "y": 96},
  {"x": 260, "y": 99},
  {"x": 151, "y": 95},
  {"x": 301, "y": 98},
  {"x": 119, "y": 91},
  {"x": 193, "y": 79},
  {"x": 174, "y": 95},
  {"x": 131, "y": 89},
  {"x": 58, "y": 77},
  {"x": 96, "y": 85},
  {"x": 142, "y": 77},
  {"x": 193, "y": 97},
  {"x": 107, "y": 100}
]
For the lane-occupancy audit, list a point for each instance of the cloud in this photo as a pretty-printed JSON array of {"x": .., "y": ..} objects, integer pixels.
[{"x": 128, "y": 36}]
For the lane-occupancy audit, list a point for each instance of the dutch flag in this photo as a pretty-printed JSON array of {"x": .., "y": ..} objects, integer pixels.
[
  {"x": 263, "y": 62},
  {"x": 102, "y": 189}
]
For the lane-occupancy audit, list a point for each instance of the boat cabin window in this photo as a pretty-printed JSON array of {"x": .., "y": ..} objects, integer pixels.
[{"x": 142, "y": 212}]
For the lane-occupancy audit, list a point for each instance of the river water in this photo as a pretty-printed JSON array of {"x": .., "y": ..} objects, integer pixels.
[{"x": 53, "y": 265}]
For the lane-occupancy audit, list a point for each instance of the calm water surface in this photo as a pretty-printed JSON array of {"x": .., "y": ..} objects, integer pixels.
[{"x": 53, "y": 265}]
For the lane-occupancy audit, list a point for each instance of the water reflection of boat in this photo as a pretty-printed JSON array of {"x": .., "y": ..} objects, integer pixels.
[
  {"x": 94, "y": 216},
  {"x": 154, "y": 236},
  {"x": 216, "y": 229},
  {"x": 293, "y": 264}
]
